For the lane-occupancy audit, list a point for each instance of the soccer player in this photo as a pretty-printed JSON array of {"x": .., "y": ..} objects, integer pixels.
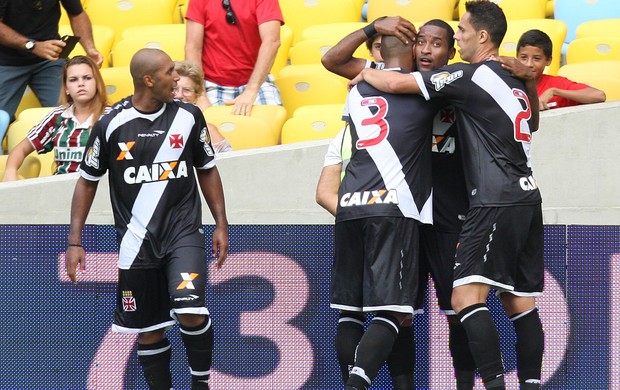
[
  {"x": 384, "y": 196},
  {"x": 150, "y": 145},
  {"x": 501, "y": 244},
  {"x": 434, "y": 47},
  {"x": 534, "y": 49}
]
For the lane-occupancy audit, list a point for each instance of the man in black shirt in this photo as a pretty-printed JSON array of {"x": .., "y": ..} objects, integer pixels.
[
  {"x": 501, "y": 244},
  {"x": 150, "y": 144}
]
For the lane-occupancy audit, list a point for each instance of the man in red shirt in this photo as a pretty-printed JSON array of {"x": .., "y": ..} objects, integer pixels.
[
  {"x": 534, "y": 50},
  {"x": 236, "y": 43}
]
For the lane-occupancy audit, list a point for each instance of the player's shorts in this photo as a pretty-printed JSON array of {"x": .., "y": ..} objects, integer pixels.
[
  {"x": 502, "y": 247},
  {"x": 437, "y": 251},
  {"x": 376, "y": 265},
  {"x": 149, "y": 299}
]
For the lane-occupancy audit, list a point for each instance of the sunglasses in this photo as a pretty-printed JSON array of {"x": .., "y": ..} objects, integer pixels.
[{"x": 230, "y": 14}]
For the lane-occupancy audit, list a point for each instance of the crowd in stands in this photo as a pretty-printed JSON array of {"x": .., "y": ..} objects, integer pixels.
[{"x": 235, "y": 55}]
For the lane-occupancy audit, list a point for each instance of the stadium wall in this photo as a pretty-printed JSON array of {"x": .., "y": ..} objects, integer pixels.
[{"x": 274, "y": 329}]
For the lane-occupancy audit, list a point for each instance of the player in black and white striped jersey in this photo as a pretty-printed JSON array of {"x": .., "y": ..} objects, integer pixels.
[{"x": 151, "y": 145}]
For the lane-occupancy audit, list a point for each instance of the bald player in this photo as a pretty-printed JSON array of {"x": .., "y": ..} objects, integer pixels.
[{"x": 154, "y": 148}]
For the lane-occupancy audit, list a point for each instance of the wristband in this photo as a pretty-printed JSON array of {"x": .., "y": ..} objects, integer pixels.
[
  {"x": 79, "y": 245},
  {"x": 370, "y": 30}
]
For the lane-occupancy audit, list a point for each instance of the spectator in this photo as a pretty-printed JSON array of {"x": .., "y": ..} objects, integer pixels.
[
  {"x": 67, "y": 127},
  {"x": 373, "y": 44},
  {"x": 236, "y": 43},
  {"x": 534, "y": 50},
  {"x": 190, "y": 89},
  {"x": 30, "y": 48}
]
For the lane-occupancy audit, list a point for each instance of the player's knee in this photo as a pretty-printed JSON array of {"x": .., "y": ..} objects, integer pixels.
[
  {"x": 191, "y": 320},
  {"x": 151, "y": 337}
]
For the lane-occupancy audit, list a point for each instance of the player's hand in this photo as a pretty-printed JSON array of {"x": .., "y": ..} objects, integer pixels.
[
  {"x": 396, "y": 26},
  {"x": 74, "y": 256},
  {"x": 516, "y": 67},
  {"x": 220, "y": 245},
  {"x": 50, "y": 50},
  {"x": 242, "y": 104},
  {"x": 356, "y": 80}
]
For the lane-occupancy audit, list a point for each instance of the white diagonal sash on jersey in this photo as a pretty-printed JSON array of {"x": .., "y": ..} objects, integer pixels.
[
  {"x": 489, "y": 81},
  {"x": 388, "y": 164},
  {"x": 150, "y": 193}
]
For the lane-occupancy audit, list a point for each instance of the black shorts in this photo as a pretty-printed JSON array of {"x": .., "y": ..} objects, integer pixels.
[
  {"x": 149, "y": 299},
  {"x": 502, "y": 247},
  {"x": 376, "y": 265},
  {"x": 437, "y": 251}
]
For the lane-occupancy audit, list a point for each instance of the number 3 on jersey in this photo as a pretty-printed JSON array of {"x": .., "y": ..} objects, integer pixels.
[{"x": 378, "y": 119}]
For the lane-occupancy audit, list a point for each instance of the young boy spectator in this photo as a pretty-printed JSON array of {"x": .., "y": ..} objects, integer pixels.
[{"x": 534, "y": 50}]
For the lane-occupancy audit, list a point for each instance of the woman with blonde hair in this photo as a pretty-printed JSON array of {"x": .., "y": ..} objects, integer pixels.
[
  {"x": 190, "y": 88},
  {"x": 66, "y": 128}
]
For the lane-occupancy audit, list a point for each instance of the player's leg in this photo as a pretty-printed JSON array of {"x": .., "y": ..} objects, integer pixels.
[
  {"x": 438, "y": 249},
  {"x": 143, "y": 307},
  {"x": 391, "y": 272},
  {"x": 349, "y": 332},
  {"x": 520, "y": 305},
  {"x": 186, "y": 270},
  {"x": 401, "y": 360}
]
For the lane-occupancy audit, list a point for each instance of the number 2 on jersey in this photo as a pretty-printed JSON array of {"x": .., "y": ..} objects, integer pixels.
[
  {"x": 378, "y": 119},
  {"x": 522, "y": 136}
]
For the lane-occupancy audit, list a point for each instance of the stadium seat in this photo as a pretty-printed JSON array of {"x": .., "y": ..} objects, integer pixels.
[
  {"x": 335, "y": 31},
  {"x": 302, "y": 85},
  {"x": 128, "y": 13},
  {"x": 593, "y": 49},
  {"x": 300, "y": 14},
  {"x": 180, "y": 9},
  {"x": 412, "y": 10},
  {"x": 17, "y": 132},
  {"x": 29, "y": 100},
  {"x": 31, "y": 167},
  {"x": 48, "y": 164},
  {"x": 286, "y": 41},
  {"x": 312, "y": 50},
  {"x": 517, "y": 9},
  {"x": 554, "y": 28},
  {"x": 332, "y": 110},
  {"x": 599, "y": 28},
  {"x": 273, "y": 116},
  {"x": 103, "y": 36},
  {"x": 125, "y": 48},
  {"x": 243, "y": 132},
  {"x": 575, "y": 12},
  {"x": 310, "y": 127},
  {"x": 549, "y": 8},
  {"x": 609, "y": 85},
  {"x": 177, "y": 31},
  {"x": 34, "y": 115},
  {"x": 118, "y": 83},
  {"x": 586, "y": 70}
]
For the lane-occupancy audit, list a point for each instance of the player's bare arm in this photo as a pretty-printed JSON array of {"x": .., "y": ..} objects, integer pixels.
[
  {"x": 212, "y": 190},
  {"x": 82, "y": 200},
  {"x": 391, "y": 82},
  {"x": 339, "y": 59},
  {"x": 327, "y": 188}
]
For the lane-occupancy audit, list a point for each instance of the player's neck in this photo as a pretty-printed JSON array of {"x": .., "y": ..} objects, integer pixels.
[{"x": 484, "y": 54}]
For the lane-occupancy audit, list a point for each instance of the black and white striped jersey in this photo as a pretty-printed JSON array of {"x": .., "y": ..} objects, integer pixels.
[
  {"x": 389, "y": 173},
  {"x": 150, "y": 158},
  {"x": 493, "y": 117}
]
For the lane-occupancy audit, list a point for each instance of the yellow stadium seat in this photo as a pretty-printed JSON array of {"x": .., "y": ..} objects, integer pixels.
[
  {"x": 599, "y": 28},
  {"x": 128, "y": 13},
  {"x": 308, "y": 84},
  {"x": 549, "y": 7},
  {"x": 308, "y": 128},
  {"x": 118, "y": 83},
  {"x": 243, "y": 132},
  {"x": 103, "y": 36},
  {"x": 125, "y": 49},
  {"x": 17, "y": 132},
  {"x": 29, "y": 100},
  {"x": 412, "y": 10},
  {"x": 593, "y": 49},
  {"x": 34, "y": 115},
  {"x": 30, "y": 168},
  {"x": 312, "y": 50},
  {"x": 286, "y": 41},
  {"x": 517, "y": 9},
  {"x": 318, "y": 110},
  {"x": 586, "y": 70},
  {"x": 176, "y": 31},
  {"x": 335, "y": 31},
  {"x": 300, "y": 14},
  {"x": 180, "y": 8},
  {"x": 609, "y": 85},
  {"x": 556, "y": 30},
  {"x": 273, "y": 116}
]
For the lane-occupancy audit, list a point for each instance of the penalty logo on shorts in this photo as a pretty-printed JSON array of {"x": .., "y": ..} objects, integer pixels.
[
  {"x": 129, "y": 302},
  {"x": 187, "y": 281}
]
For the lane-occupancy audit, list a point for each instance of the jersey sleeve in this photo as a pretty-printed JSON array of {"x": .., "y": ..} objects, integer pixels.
[
  {"x": 449, "y": 83},
  {"x": 268, "y": 10},
  {"x": 334, "y": 151},
  {"x": 41, "y": 136},
  {"x": 95, "y": 162},
  {"x": 203, "y": 153},
  {"x": 73, "y": 7}
]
